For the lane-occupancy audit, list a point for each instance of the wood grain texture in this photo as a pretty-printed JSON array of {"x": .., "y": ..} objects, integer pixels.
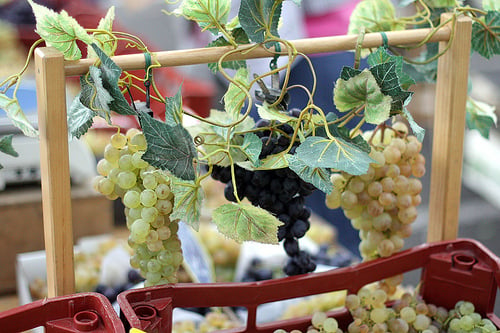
[
  {"x": 449, "y": 127},
  {"x": 54, "y": 169}
]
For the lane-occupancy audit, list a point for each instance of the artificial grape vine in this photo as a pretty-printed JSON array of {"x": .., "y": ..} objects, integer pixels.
[{"x": 146, "y": 194}]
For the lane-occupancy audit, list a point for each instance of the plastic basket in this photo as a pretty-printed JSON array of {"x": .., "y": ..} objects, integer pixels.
[
  {"x": 451, "y": 271},
  {"x": 85, "y": 312}
]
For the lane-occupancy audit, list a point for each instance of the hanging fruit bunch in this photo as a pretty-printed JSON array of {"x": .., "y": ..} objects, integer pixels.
[{"x": 274, "y": 162}]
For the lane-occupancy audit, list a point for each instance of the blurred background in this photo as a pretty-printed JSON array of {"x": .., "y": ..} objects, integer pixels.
[{"x": 20, "y": 198}]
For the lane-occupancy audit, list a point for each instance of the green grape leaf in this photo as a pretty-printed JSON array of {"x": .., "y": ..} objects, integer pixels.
[
  {"x": 260, "y": 18},
  {"x": 418, "y": 131},
  {"x": 244, "y": 222},
  {"x": 16, "y": 115},
  {"x": 480, "y": 116},
  {"x": 486, "y": 36},
  {"x": 381, "y": 56},
  {"x": 169, "y": 147},
  {"x": 440, "y": 3},
  {"x": 251, "y": 147},
  {"x": 275, "y": 161},
  {"x": 388, "y": 81},
  {"x": 110, "y": 73},
  {"x": 491, "y": 5},
  {"x": 60, "y": 31},
  {"x": 319, "y": 177},
  {"x": 93, "y": 94},
  {"x": 374, "y": 15},
  {"x": 344, "y": 134},
  {"x": 6, "y": 145},
  {"x": 235, "y": 97},
  {"x": 362, "y": 90},
  {"x": 240, "y": 37},
  {"x": 349, "y": 72},
  {"x": 221, "y": 117},
  {"x": 424, "y": 72},
  {"x": 80, "y": 118},
  {"x": 272, "y": 113},
  {"x": 103, "y": 39},
  {"x": 188, "y": 199},
  {"x": 209, "y": 14},
  {"x": 173, "y": 109},
  {"x": 319, "y": 152}
]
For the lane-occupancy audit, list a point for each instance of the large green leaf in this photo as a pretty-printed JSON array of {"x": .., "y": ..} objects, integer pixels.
[
  {"x": 344, "y": 134},
  {"x": 80, "y": 118},
  {"x": 491, "y": 4},
  {"x": 374, "y": 15},
  {"x": 169, "y": 147},
  {"x": 188, "y": 198},
  {"x": 6, "y": 145},
  {"x": 424, "y": 72},
  {"x": 361, "y": 90},
  {"x": 486, "y": 38},
  {"x": 59, "y": 30},
  {"x": 319, "y": 152},
  {"x": 418, "y": 131},
  {"x": 240, "y": 37},
  {"x": 275, "y": 161},
  {"x": 209, "y": 14},
  {"x": 104, "y": 40},
  {"x": 173, "y": 109},
  {"x": 235, "y": 97},
  {"x": 260, "y": 18},
  {"x": 480, "y": 116},
  {"x": 222, "y": 118},
  {"x": 93, "y": 94},
  {"x": 349, "y": 72},
  {"x": 441, "y": 3},
  {"x": 243, "y": 222},
  {"x": 319, "y": 177},
  {"x": 265, "y": 111},
  {"x": 382, "y": 56},
  {"x": 387, "y": 79},
  {"x": 110, "y": 73},
  {"x": 16, "y": 115},
  {"x": 251, "y": 147}
]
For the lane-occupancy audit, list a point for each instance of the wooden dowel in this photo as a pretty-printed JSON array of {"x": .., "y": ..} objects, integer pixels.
[
  {"x": 449, "y": 127},
  {"x": 54, "y": 170},
  {"x": 307, "y": 46}
]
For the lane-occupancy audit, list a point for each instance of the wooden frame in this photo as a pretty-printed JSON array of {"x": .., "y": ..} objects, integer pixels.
[{"x": 451, "y": 91}]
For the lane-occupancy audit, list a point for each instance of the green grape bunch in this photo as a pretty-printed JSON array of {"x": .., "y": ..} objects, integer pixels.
[
  {"x": 146, "y": 194},
  {"x": 382, "y": 203}
]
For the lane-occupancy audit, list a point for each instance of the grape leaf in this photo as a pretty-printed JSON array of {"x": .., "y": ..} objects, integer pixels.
[
  {"x": 272, "y": 113},
  {"x": 374, "y": 15},
  {"x": 16, "y": 115},
  {"x": 6, "y": 145},
  {"x": 209, "y": 14},
  {"x": 491, "y": 5},
  {"x": 80, "y": 118},
  {"x": 424, "y": 72},
  {"x": 173, "y": 109},
  {"x": 93, "y": 94},
  {"x": 319, "y": 152},
  {"x": 441, "y": 3},
  {"x": 362, "y": 90},
  {"x": 188, "y": 198},
  {"x": 344, "y": 134},
  {"x": 260, "y": 18},
  {"x": 486, "y": 35},
  {"x": 244, "y": 222},
  {"x": 221, "y": 117},
  {"x": 382, "y": 56},
  {"x": 169, "y": 147},
  {"x": 418, "y": 131},
  {"x": 319, "y": 177},
  {"x": 388, "y": 81},
  {"x": 480, "y": 116},
  {"x": 275, "y": 161},
  {"x": 349, "y": 72},
  {"x": 103, "y": 39},
  {"x": 240, "y": 37},
  {"x": 110, "y": 73},
  {"x": 251, "y": 147},
  {"x": 235, "y": 97},
  {"x": 60, "y": 31}
]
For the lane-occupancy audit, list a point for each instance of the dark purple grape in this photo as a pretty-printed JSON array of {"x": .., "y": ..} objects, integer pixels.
[
  {"x": 291, "y": 246},
  {"x": 287, "y": 128},
  {"x": 229, "y": 192},
  {"x": 299, "y": 228},
  {"x": 294, "y": 112},
  {"x": 133, "y": 276},
  {"x": 110, "y": 293},
  {"x": 276, "y": 185}
]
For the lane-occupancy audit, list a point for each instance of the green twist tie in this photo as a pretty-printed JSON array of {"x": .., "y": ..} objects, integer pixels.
[{"x": 385, "y": 40}]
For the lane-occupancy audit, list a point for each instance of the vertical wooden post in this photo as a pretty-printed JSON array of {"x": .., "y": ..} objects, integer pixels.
[
  {"x": 54, "y": 168},
  {"x": 449, "y": 127}
]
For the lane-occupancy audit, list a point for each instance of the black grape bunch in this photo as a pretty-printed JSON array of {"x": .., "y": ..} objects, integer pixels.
[{"x": 280, "y": 191}]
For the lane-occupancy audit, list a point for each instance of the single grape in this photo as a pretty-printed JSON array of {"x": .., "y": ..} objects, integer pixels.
[
  {"x": 118, "y": 140},
  {"x": 131, "y": 199}
]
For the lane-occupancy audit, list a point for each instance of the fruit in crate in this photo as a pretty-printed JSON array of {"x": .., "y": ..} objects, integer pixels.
[{"x": 213, "y": 321}]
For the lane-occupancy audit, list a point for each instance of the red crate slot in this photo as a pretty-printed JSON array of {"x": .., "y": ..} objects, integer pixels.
[
  {"x": 456, "y": 270},
  {"x": 85, "y": 312}
]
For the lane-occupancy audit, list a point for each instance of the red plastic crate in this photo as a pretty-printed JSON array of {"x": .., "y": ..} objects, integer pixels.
[
  {"x": 85, "y": 312},
  {"x": 451, "y": 271}
]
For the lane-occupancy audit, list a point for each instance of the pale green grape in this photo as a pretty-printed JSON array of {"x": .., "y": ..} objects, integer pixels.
[
  {"x": 137, "y": 160},
  {"x": 105, "y": 186},
  {"x": 138, "y": 141},
  {"x": 104, "y": 167},
  {"x": 318, "y": 318},
  {"x": 466, "y": 308},
  {"x": 149, "y": 214},
  {"x": 118, "y": 140},
  {"x": 421, "y": 322},
  {"x": 330, "y": 325},
  {"x": 125, "y": 163},
  {"x": 126, "y": 179},
  {"x": 162, "y": 191},
  {"x": 164, "y": 206},
  {"x": 379, "y": 315},
  {"x": 149, "y": 199},
  {"x": 149, "y": 182},
  {"x": 131, "y": 199},
  {"x": 408, "y": 314}
]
